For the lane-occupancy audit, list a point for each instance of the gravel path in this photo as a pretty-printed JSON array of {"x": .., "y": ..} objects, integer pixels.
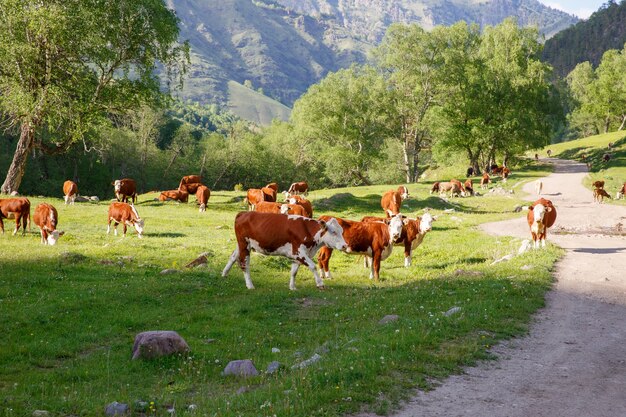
[{"x": 573, "y": 362}]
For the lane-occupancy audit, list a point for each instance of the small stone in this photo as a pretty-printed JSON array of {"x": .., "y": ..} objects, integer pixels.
[
  {"x": 273, "y": 367},
  {"x": 141, "y": 406},
  {"x": 243, "y": 367},
  {"x": 94, "y": 198},
  {"x": 14, "y": 193},
  {"x": 466, "y": 272},
  {"x": 526, "y": 267},
  {"x": 222, "y": 226},
  {"x": 452, "y": 311},
  {"x": 200, "y": 260},
  {"x": 503, "y": 259},
  {"x": 155, "y": 344},
  {"x": 207, "y": 341},
  {"x": 517, "y": 209},
  {"x": 389, "y": 318},
  {"x": 171, "y": 410},
  {"x": 169, "y": 271},
  {"x": 41, "y": 413},
  {"x": 524, "y": 247},
  {"x": 313, "y": 359},
  {"x": 322, "y": 350},
  {"x": 192, "y": 407},
  {"x": 116, "y": 409},
  {"x": 275, "y": 350}
]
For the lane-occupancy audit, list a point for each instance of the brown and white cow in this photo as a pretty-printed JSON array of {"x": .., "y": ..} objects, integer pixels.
[
  {"x": 202, "y": 197},
  {"x": 541, "y": 216},
  {"x": 469, "y": 186},
  {"x": 70, "y": 191},
  {"x": 273, "y": 186},
  {"x": 127, "y": 215},
  {"x": 268, "y": 194},
  {"x": 124, "y": 189},
  {"x": 391, "y": 202},
  {"x": 598, "y": 184},
  {"x": 295, "y": 237},
  {"x": 301, "y": 201},
  {"x": 47, "y": 219},
  {"x": 191, "y": 188},
  {"x": 294, "y": 209},
  {"x": 452, "y": 187},
  {"x": 188, "y": 180},
  {"x": 460, "y": 185},
  {"x": 18, "y": 209},
  {"x": 413, "y": 232},
  {"x": 404, "y": 192},
  {"x": 254, "y": 197},
  {"x": 373, "y": 239},
  {"x": 621, "y": 192},
  {"x": 176, "y": 195},
  {"x": 268, "y": 207},
  {"x": 301, "y": 187},
  {"x": 599, "y": 194},
  {"x": 484, "y": 181}
]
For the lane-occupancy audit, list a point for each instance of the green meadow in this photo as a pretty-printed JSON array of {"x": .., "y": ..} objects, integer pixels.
[{"x": 69, "y": 313}]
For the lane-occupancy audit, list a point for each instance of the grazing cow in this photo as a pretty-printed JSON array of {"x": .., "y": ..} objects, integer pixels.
[
  {"x": 452, "y": 187},
  {"x": 294, "y": 237},
  {"x": 404, "y": 192},
  {"x": 202, "y": 197},
  {"x": 391, "y": 202},
  {"x": 70, "y": 191},
  {"x": 621, "y": 192},
  {"x": 599, "y": 194},
  {"x": 191, "y": 188},
  {"x": 127, "y": 215},
  {"x": 268, "y": 194},
  {"x": 469, "y": 186},
  {"x": 598, "y": 184},
  {"x": 47, "y": 218},
  {"x": 273, "y": 186},
  {"x": 413, "y": 232},
  {"x": 470, "y": 172},
  {"x": 294, "y": 209},
  {"x": 495, "y": 169},
  {"x": 18, "y": 209},
  {"x": 301, "y": 201},
  {"x": 460, "y": 185},
  {"x": 176, "y": 195},
  {"x": 188, "y": 180},
  {"x": 484, "y": 181},
  {"x": 538, "y": 187},
  {"x": 536, "y": 157},
  {"x": 549, "y": 152},
  {"x": 435, "y": 188},
  {"x": 505, "y": 173},
  {"x": 254, "y": 197},
  {"x": 541, "y": 216},
  {"x": 373, "y": 239},
  {"x": 583, "y": 157},
  {"x": 268, "y": 207},
  {"x": 124, "y": 189},
  {"x": 298, "y": 188}
]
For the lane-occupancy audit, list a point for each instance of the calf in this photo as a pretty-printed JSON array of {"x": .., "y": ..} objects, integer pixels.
[
  {"x": 541, "y": 216},
  {"x": 70, "y": 191},
  {"x": 47, "y": 218},
  {"x": 293, "y": 237},
  {"x": 254, "y": 197},
  {"x": 301, "y": 187},
  {"x": 18, "y": 209},
  {"x": 413, "y": 232},
  {"x": 374, "y": 239},
  {"x": 125, "y": 189},
  {"x": 391, "y": 202},
  {"x": 621, "y": 192},
  {"x": 469, "y": 186},
  {"x": 505, "y": 173},
  {"x": 484, "y": 181},
  {"x": 599, "y": 194},
  {"x": 176, "y": 195},
  {"x": 127, "y": 215},
  {"x": 202, "y": 197},
  {"x": 538, "y": 187},
  {"x": 294, "y": 209},
  {"x": 301, "y": 201}
]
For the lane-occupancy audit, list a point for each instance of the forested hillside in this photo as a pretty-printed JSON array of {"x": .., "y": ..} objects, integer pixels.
[{"x": 588, "y": 40}]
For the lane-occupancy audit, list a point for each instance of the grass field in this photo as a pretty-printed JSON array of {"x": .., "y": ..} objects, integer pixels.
[
  {"x": 69, "y": 313},
  {"x": 594, "y": 148}
]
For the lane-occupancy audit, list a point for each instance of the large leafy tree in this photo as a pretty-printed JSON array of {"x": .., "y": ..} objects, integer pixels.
[{"x": 69, "y": 65}]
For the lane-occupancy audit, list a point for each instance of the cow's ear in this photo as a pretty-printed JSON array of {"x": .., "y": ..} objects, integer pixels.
[
  {"x": 323, "y": 225},
  {"x": 548, "y": 209},
  {"x": 530, "y": 207},
  {"x": 405, "y": 221},
  {"x": 387, "y": 221},
  {"x": 61, "y": 233}
]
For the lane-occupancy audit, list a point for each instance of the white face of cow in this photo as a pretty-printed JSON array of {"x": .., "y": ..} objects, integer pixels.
[
  {"x": 53, "y": 237},
  {"x": 139, "y": 227},
  {"x": 291, "y": 200},
  {"x": 405, "y": 193},
  {"x": 426, "y": 223},
  {"x": 117, "y": 186},
  {"x": 284, "y": 209},
  {"x": 333, "y": 238},
  {"x": 539, "y": 211},
  {"x": 395, "y": 226}
]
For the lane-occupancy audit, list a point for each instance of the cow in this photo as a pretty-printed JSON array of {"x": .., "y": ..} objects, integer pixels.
[
  {"x": 269, "y": 194},
  {"x": 469, "y": 186},
  {"x": 295, "y": 237},
  {"x": 621, "y": 192},
  {"x": 505, "y": 173},
  {"x": 188, "y": 180},
  {"x": 301, "y": 201},
  {"x": 453, "y": 188},
  {"x": 294, "y": 209},
  {"x": 124, "y": 189},
  {"x": 70, "y": 191},
  {"x": 413, "y": 232},
  {"x": 298, "y": 188},
  {"x": 373, "y": 239},
  {"x": 435, "y": 188},
  {"x": 391, "y": 202},
  {"x": 536, "y": 157},
  {"x": 268, "y": 207},
  {"x": 538, "y": 187},
  {"x": 598, "y": 184},
  {"x": 404, "y": 192},
  {"x": 202, "y": 197},
  {"x": 127, "y": 215},
  {"x": 599, "y": 194},
  {"x": 273, "y": 186},
  {"x": 484, "y": 181},
  {"x": 549, "y": 152},
  {"x": 253, "y": 197},
  {"x": 47, "y": 218},
  {"x": 541, "y": 216},
  {"x": 470, "y": 172},
  {"x": 191, "y": 188},
  {"x": 176, "y": 195},
  {"x": 583, "y": 157},
  {"x": 18, "y": 209},
  {"x": 460, "y": 185}
]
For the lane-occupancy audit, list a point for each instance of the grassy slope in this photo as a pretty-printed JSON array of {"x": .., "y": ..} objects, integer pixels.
[
  {"x": 69, "y": 319},
  {"x": 251, "y": 105},
  {"x": 594, "y": 148}
]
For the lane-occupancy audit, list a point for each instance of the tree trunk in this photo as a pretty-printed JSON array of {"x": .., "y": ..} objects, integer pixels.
[
  {"x": 415, "y": 168},
  {"x": 407, "y": 167},
  {"x": 18, "y": 165},
  {"x": 623, "y": 122}
]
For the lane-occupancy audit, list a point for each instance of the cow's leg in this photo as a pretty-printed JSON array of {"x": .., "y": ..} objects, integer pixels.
[
  {"x": 309, "y": 262},
  {"x": 375, "y": 271},
  {"x": 125, "y": 228},
  {"x": 115, "y": 223},
  {"x": 295, "y": 265},
  {"x": 17, "y": 224},
  {"x": 246, "y": 272},
  {"x": 2, "y": 225},
  {"x": 231, "y": 261},
  {"x": 67, "y": 199},
  {"x": 407, "y": 254},
  {"x": 43, "y": 236},
  {"x": 323, "y": 260}
]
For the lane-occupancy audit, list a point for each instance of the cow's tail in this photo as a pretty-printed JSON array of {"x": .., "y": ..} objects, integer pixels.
[{"x": 26, "y": 220}]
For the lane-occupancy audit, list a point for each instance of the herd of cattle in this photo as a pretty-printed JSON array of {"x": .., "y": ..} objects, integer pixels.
[{"x": 287, "y": 228}]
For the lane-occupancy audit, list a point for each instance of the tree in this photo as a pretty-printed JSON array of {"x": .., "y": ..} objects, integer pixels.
[{"x": 68, "y": 65}]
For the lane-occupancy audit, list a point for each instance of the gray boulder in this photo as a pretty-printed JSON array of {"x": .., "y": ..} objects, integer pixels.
[
  {"x": 154, "y": 344},
  {"x": 41, "y": 413},
  {"x": 116, "y": 409},
  {"x": 313, "y": 359},
  {"x": 389, "y": 318},
  {"x": 273, "y": 367},
  {"x": 243, "y": 367}
]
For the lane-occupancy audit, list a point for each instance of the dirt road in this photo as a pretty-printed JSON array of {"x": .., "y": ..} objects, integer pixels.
[{"x": 573, "y": 362}]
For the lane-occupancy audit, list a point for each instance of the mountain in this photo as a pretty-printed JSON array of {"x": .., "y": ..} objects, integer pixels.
[
  {"x": 588, "y": 40},
  {"x": 278, "y": 48}
]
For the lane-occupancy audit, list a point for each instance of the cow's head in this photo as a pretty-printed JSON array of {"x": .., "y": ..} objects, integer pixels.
[
  {"x": 539, "y": 212},
  {"x": 139, "y": 223},
  {"x": 395, "y": 226},
  {"x": 426, "y": 223},
  {"x": 117, "y": 185},
  {"x": 53, "y": 237},
  {"x": 332, "y": 235},
  {"x": 284, "y": 208},
  {"x": 404, "y": 192}
]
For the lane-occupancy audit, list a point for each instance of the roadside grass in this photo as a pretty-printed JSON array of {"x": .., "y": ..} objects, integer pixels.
[
  {"x": 69, "y": 313},
  {"x": 595, "y": 147}
]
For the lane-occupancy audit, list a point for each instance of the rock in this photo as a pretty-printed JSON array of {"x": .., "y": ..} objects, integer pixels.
[
  {"x": 169, "y": 271},
  {"x": 517, "y": 209},
  {"x": 242, "y": 390},
  {"x": 465, "y": 272},
  {"x": 273, "y": 367},
  {"x": 526, "y": 267},
  {"x": 503, "y": 259},
  {"x": 452, "y": 311},
  {"x": 449, "y": 210},
  {"x": 313, "y": 359},
  {"x": 525, "y": 246},
  {"x": 207, "y": 341},
  {"x": 94, "y": 198},
  {"x": 14, "y": 193},
  {"x": 324, "y": 349},
  {"x": 275, "y": 350},
  {"x": 192, "y": 407},
  {"x": 141, "y": 406},
  {"x": 243, "y": 367},
  {"x": 222, "y": 226},
  {"x": 200, "y": 260},
  {"x": 154, "y": 344},
  {"x": 41, "y": 413},
  {"x": 81, "y": 199},
  {"x": 116, "y": 409},
  {"x": 389, "y": 318}
]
